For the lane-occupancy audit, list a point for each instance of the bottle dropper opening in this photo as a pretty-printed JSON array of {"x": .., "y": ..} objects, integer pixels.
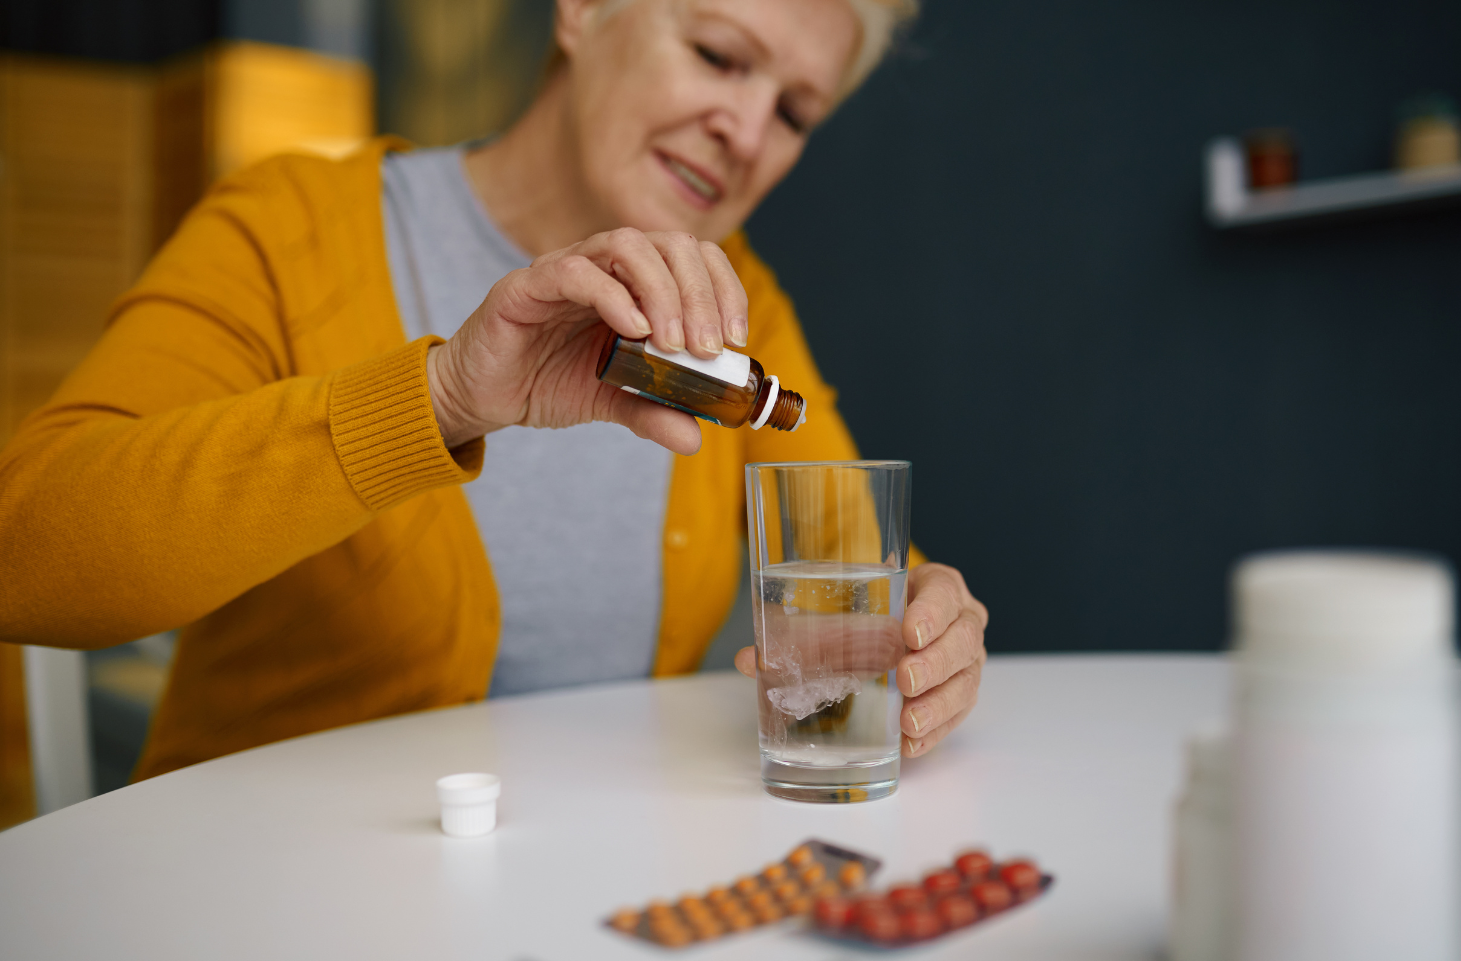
[{"x": 789, "y": 412}]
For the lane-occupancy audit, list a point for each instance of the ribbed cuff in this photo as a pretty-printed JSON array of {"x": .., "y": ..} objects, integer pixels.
[{"x": 385, "y": 429}]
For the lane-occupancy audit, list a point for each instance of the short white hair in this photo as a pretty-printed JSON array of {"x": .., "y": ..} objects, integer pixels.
[{"x": 880, "y": 21}]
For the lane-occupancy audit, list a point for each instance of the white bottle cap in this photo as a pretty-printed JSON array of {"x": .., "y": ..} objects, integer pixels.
[
  {"x": 1345, "y": 610},
  {"x": 468, "y": 804}
]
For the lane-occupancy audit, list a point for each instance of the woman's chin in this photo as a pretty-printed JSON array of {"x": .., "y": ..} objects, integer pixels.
[{"x": 666, "y": 214}]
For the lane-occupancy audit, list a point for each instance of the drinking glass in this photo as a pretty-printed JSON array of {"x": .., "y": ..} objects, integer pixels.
[{"x": 829, "y": 572}]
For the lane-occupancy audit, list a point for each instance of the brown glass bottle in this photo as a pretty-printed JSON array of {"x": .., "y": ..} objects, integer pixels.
[{"x": 730, "y": 390}]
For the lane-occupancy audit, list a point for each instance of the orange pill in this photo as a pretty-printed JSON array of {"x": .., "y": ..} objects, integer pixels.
[
  {"x": 774, "y": 872},
  {"x": 801, "y": 857},
  {"x": 769, "y": 913},
  {"x": 707, "y": 929},
  {"x": 718, "y": 894},
  {"x": 787, "y": 890},
  {"x": 853, "y": 875},
  {"x": 799, "y": 905},
  {"x": 759, "y": 899},
  {"x": 813, "y": 874},
  {"x": 828, "y": 889},
  {"x": 673, "y": 937},
  {"x": 659, "y": 909},
  {"x": 747, "y": 885},
  {"x": 740, "y": 921},
  {"x": 726, "y": 908},
  {"x": 626, "y": 920}
]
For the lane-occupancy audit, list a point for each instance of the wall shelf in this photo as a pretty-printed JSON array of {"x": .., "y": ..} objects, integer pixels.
[{"x": 1231, "y": 205}]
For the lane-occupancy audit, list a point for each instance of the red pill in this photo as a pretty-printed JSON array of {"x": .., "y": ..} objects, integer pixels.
[
  {"x": 942, "y": 883},
  {"x": 974, "y": 864},
  {"x": 992, "y": 896},
  {"x": 1022, "y": 877},
  {"x": 880, "y": 926},
  {"x": 906, "y": 897},
  {"x": 920, "y": 924},
  {"x": 871, "y": 904},
  {"x": 833, "y": 913},
  {"x": 956, "y": 911}
]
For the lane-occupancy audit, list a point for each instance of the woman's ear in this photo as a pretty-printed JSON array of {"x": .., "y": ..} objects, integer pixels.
[{"x": 572, "y": 21}]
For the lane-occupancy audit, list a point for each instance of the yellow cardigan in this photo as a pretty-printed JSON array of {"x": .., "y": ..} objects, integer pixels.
[{"x": 250, "y": 451}]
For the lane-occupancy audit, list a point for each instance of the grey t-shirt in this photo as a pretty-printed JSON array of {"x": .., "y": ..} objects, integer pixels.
[{"x": 572, "y": 519}]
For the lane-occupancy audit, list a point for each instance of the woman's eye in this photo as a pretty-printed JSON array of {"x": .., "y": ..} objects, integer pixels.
[
  {"x": 788, "y": 117},
  {"x": 716, "y": 59}
]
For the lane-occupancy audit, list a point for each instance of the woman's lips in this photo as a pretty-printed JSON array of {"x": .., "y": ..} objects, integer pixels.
[{"x": 696, "y": 186}]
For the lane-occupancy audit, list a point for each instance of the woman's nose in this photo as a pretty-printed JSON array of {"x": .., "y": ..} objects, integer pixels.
[{"x": 742, "y": 122}]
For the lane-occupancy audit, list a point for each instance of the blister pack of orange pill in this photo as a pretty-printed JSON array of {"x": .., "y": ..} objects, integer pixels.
[{"x": 812, "y": 872}]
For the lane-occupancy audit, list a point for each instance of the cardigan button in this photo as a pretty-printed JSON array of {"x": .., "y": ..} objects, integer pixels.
[{"x": 677, "y": 539}]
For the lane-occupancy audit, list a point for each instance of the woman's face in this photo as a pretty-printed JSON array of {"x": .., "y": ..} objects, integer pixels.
[{"x": 687, "y": 112}]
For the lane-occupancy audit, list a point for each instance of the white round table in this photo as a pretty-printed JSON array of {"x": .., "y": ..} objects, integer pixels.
[{"x": 327, "y": 846}]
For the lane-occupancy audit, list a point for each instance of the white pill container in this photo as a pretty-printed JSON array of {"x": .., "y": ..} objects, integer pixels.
[
  {"x": 1345, "y": 791},
  {"x": 468, "y": 804}
]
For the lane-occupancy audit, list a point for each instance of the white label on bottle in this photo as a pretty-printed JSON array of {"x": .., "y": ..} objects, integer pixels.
[{"x": 729, "y": 368}]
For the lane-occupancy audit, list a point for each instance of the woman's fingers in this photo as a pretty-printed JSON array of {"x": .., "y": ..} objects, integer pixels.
[
  {"x": 700, "y": 311},
  {"x": 578, "y": 280},
  {"x": 940, "y": 705},
  {"x": 669, "y": 428},
  {"x": 958, "y": 647},
  {"x": 937, "y": 597},
  {"x": 686, "y": 289},
  {"x": 730, "y": 296},
  {"x": 636, "y": 262},
  {"x": 917, "y": 745}
]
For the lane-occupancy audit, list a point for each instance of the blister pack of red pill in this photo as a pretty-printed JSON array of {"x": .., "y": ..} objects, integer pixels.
[{"x": 973, "y": 889}]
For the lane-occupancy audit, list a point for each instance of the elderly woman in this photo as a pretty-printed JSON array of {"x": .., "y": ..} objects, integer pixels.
[{"x": 279, "y": 441}]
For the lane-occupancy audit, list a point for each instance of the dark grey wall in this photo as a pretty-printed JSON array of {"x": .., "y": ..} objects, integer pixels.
[{"x": 998, "y": 252}]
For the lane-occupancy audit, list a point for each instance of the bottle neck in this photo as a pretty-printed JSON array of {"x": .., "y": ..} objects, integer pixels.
[{"x": 787, "y": 408}]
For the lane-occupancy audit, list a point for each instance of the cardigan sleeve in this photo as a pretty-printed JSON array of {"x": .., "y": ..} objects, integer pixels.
[
  {"x": 185, "y": 460},
  {"x": 778, "y": 343}
]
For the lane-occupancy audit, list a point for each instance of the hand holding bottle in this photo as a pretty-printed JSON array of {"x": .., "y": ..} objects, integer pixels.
[{"x": 527, "y": 355}]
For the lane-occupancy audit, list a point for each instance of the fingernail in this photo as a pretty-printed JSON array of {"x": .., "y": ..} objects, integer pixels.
[
  {"x": 915, "y": 678},
  {"x": 920, "y": 716},
  {"x": 920, "y": 633},
  {"x": 710, "y": 340},
  {"x": 738, "y": 331},
  {"x": 641, "y": 324},
  {"x": 676, "y": 337},
  {"x": 912, "y": 746}
]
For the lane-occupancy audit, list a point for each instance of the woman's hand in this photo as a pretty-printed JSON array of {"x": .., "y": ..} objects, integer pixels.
[
  {"x": 527, "y": 355},
  {"x": 943, "y": 632}
]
